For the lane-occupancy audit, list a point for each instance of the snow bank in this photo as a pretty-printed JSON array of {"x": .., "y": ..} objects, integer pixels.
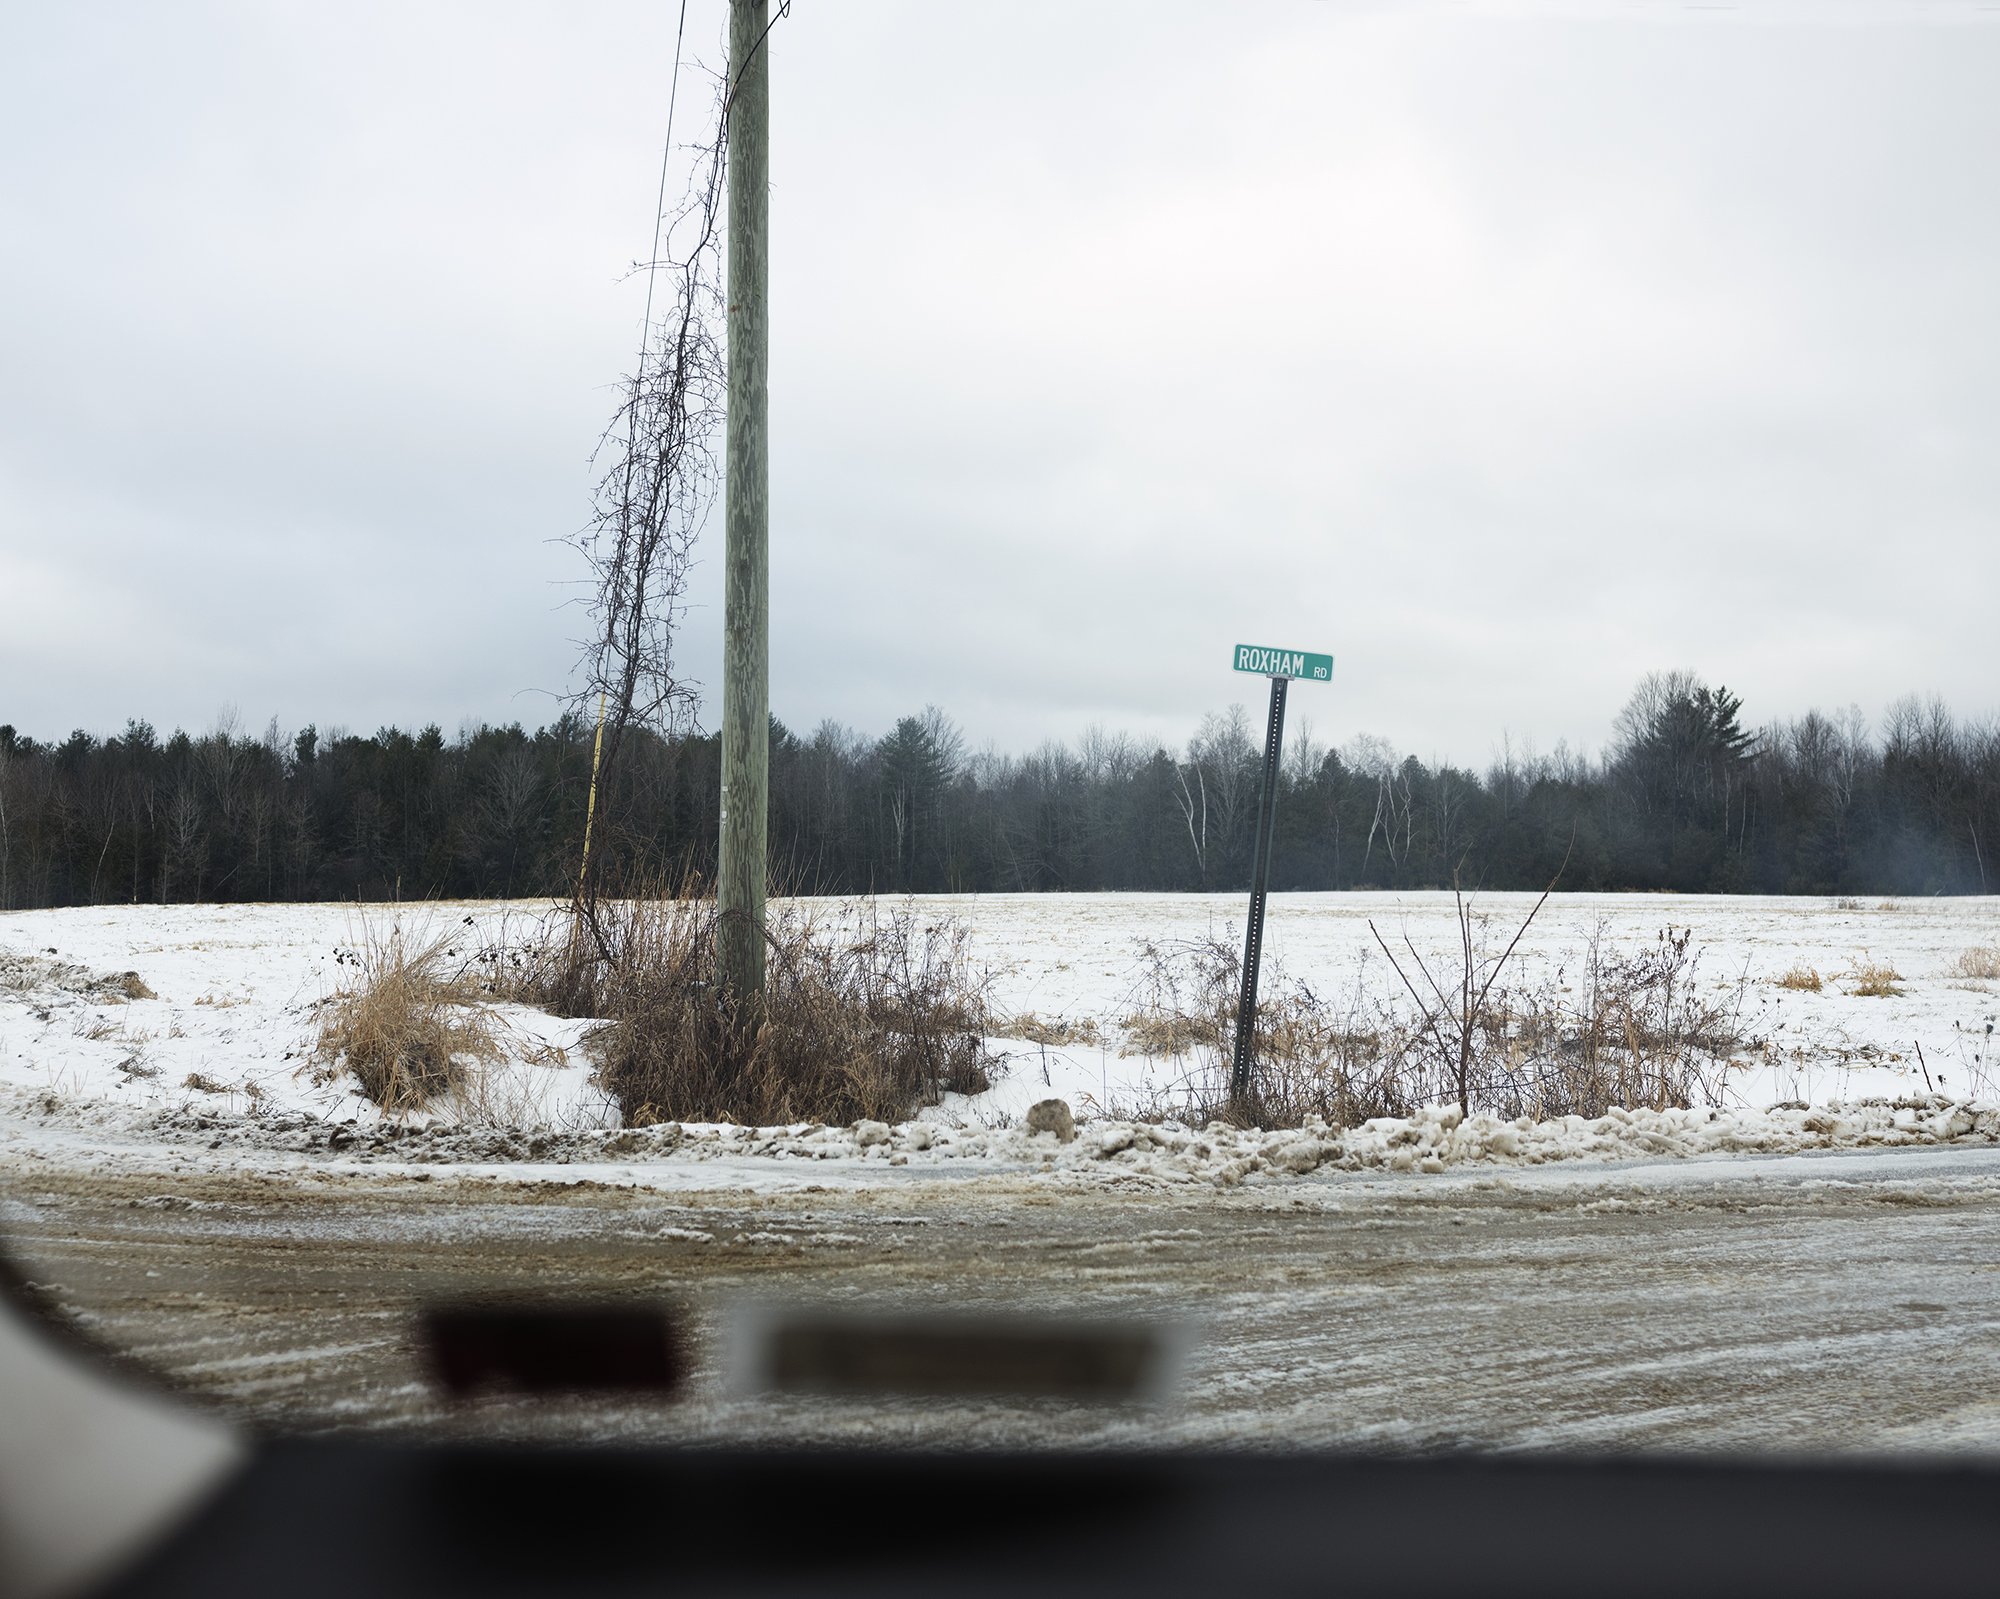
[
  {"x": 1433, "y": 1140},
  {"x": 1104, "y": 1152}
]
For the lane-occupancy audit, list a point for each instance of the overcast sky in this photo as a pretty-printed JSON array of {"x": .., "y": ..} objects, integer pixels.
[{"x": 1505, "y": 356}]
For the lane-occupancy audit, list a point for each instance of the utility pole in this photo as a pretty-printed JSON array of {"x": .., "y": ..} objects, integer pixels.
[{"x": 746, "y": 646}]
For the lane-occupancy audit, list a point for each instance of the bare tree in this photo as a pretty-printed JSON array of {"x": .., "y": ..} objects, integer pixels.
[
  {"x": 1306, "y": 754},
  {"x": 1508, "y": 776},
  {"x": 186, "y": 844},
  {"x": 221, "y": 756},
  {"x": 659, "y": 482},
  {"x": 1374, "y": 758},
  {"x": 1983, "y": 749},
  {"x": 1451, "y": 794},
  {"x": 1194, "y": 806},
  {"x": 509, "y": 801},
  {"x": 1107, "y": 757},
  {"x": 1227, "y": 760}
]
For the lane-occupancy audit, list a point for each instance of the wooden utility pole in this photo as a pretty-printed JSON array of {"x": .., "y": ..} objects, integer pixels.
[{"x": 746, "y": 648}]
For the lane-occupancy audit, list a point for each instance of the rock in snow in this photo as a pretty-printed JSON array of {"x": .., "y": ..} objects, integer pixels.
[{"x": 1052, "y": 1116}]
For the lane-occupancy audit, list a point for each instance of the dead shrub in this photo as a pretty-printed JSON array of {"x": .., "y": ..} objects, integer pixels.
[
  {"x": 1981, "y": 963},
  {"x": 1804, "y": 979},
  {"x": 1051, "y": 1033},
  {"x": 866, "y": 1015},
  {"x": 24, "y": 974},
  {"x": 1875, "y": 979},
  {"x": 1634, "y": 1030},
  {"x": 525, "y": 969},
  {"x": 405, "y": 1027},
  {"x": 1622, "y": 1029},
  {"x": 1342, "y": 1061},
  {"x": 1184, "y": 1000},
  {"x": 1168, "y": 1035},
  {"x": 1452, "y": 1013}
]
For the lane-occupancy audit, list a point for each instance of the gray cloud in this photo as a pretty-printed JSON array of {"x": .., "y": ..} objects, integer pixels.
[{"x": 1506, "y": 357}]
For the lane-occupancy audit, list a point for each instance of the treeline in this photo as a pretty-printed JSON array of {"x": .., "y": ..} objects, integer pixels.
[{"x": 1686, "y": 798}]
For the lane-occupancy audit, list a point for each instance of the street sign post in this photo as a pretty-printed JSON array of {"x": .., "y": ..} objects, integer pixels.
[
  {"x": 1267, "y": 662},
  {"x": 1280, "y": 666}
]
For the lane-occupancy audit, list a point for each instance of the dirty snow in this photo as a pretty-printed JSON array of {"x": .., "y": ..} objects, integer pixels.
[{"x": 1107, "y": 1152}]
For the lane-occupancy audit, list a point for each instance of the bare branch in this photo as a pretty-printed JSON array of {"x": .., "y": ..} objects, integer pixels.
[{"x": 659, "y": 482}]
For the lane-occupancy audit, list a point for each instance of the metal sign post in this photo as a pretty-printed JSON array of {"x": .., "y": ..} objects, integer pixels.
[{"x": 1281, "y": 666}]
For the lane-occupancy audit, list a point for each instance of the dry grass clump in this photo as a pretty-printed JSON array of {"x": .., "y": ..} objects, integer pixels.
[
  {"x": 1623, "y": 1029},
  {"x": 1634, "y": 1029},
  {"x": 867, "y": 1015},
  {"x": 1804, "y": 979},
  {"x": 1185, "y": 999},
  {"x": 23, "y": 974},
  {"x": 1052, "y": 1032},
  {"x": 405, "y": 1027},
  {"x": 1875, "y": 979},
  {"x": 1980, "y": 963},
  {"x": 1169, "y": 1035},
  {"x": 1314, "y": 1056}
]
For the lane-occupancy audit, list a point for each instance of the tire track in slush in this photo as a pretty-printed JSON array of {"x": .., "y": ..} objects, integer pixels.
[{"x": 1749, "y": 1310}]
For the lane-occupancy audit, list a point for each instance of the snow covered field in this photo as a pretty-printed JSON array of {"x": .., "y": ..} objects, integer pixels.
[
  {"x": 1072, "y": 957},
  {"x": 229, "y": 1027}
]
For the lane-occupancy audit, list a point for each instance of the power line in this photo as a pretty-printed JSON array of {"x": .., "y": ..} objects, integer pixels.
[{"x": 660, "y": 204}]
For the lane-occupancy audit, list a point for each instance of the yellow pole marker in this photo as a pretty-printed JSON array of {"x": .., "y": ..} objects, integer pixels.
[{"x": 590, "y": 805}]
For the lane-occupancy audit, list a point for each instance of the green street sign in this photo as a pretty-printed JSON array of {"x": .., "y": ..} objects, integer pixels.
[{"x": 1267, "y": 662}]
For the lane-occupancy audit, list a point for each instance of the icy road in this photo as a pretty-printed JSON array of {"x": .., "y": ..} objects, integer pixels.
[{"x": 1816, "y": 1302}]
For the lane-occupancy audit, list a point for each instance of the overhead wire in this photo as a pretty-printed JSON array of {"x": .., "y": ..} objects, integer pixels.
[{"x": 660, "y": 205}]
